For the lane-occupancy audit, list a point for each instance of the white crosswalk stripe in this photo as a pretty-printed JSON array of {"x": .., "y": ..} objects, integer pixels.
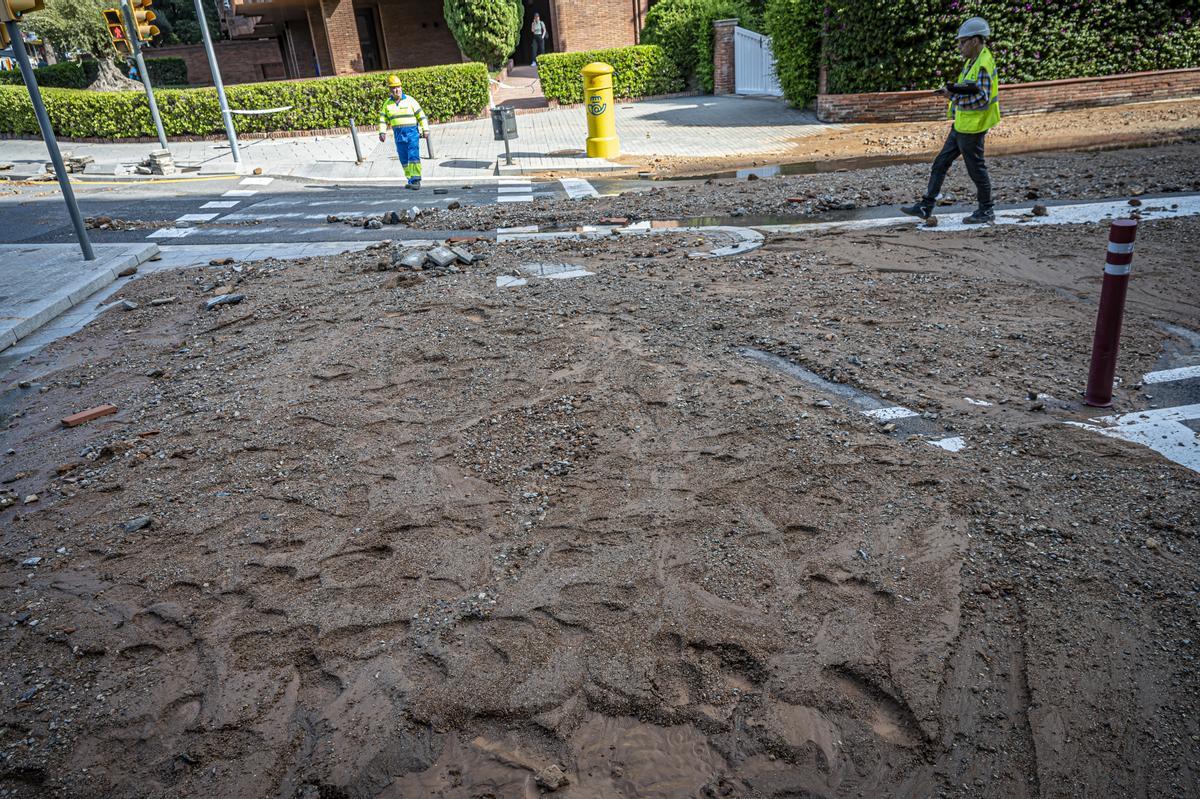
[{"x": 578, "y": 188}]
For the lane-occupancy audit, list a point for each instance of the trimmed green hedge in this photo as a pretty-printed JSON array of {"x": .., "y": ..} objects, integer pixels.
[
  {"x": 638, "y": 71},
  {"x": 684, "y": 28},
  {"x": 795, "y": 30},
  {"x": 65, "y": 75},
  {"x": 168, "y": 71},
  {"x": 890, "y": 46},
  {"x": 444, "y": 92}
]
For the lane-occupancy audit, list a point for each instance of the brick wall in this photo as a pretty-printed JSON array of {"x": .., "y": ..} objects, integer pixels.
[
  {"x": 241, "y": 61},
  {"x": 1017, "y": 98},
  {"x": 723, "y": 62},
  {"x": 341, "y": 31},
  {"x": 415, "y": 34},
  {"x": 316, "y": 30},
  {"x": 595, "y": 24},
  {"x": 302, "y": 45}
]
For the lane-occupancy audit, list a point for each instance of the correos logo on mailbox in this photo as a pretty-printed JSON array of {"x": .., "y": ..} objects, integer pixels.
[{"x": 597, "y": 106}]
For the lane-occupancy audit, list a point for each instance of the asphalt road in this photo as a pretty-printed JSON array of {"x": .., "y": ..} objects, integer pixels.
[{"x": 249, "y": 210}]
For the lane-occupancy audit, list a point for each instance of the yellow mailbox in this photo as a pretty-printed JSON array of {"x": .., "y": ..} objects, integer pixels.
[{"x": 602, "y": 139}]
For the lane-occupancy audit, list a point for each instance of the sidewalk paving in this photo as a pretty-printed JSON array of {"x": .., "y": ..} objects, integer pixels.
[
  {"x": 553, "y": 140},
  {"x": 26, "y": 270}
]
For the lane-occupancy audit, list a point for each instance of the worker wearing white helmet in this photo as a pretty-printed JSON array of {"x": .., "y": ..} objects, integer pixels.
[{"x": 975, "y": 108}]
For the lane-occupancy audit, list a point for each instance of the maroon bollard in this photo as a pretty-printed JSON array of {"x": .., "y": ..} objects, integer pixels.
[{"x": 1112, "y": 310}]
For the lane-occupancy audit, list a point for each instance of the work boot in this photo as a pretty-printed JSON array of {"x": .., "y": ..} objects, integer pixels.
[
  {"x": 981, "y": 216},
  {"x": 920, "y": 210}
]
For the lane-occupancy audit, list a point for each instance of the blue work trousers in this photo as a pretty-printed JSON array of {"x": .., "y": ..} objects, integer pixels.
[{"x": 408, "y": 147}]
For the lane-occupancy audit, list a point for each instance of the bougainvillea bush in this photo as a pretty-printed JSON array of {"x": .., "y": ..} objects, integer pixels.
[{"x": 890, "y": 45}]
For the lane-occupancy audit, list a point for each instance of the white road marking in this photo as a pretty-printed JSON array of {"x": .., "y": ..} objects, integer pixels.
[
  {"x": 514, "y": 189},
  {"x": 256, "y": 182},
  {"x": 221, "y": 204},
  {"x": 1164, "y": 208},
  {"x": 1171, "y": 375},
  {"x": 240, "y": 193},
  {"x": 172, "y": 233},
  {"x": 578, "y": 188},
  {"x": 1161, "y": 429},
  {"x": 521, "y": 229},
  {"x": 887, "y": 414},
  {"x": 517, "y": 198},
  {"x": 196, "y": 218}
]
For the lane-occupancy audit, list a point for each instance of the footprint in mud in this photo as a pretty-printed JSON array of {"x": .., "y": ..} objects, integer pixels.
[
  {"x": 887, "y": 716},
  {"x": 355, "y": 564}
]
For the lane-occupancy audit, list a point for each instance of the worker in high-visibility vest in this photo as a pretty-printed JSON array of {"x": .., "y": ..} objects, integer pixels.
[
  {"x": 404, "y": 115},
  {"x": 975, "y": 108}
]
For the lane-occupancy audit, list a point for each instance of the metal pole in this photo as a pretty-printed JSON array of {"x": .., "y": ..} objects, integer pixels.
[
  {"x": 429, "y": 143},
  {"x": 226, "y": 117},
  {"x": 1117, "y": 267},
  {"x": 507, "y": 153},
  {"x": 60, "y": 169},
  {"x": 143, "y": 73},
  {"x": 358, "y": 159}
]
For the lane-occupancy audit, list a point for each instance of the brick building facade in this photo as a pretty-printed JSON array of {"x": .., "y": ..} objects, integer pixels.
[{"x": 341, "y": 37}]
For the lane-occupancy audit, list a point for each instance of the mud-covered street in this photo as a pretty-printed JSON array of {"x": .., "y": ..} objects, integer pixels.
[{"x": 374, "y": 532}]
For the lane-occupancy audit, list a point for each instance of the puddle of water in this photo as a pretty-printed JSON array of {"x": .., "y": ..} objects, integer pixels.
[{"x": 860, "y": 401}]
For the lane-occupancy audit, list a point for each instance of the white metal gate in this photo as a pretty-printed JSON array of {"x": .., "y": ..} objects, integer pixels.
[{"x": 754, "y": 64}]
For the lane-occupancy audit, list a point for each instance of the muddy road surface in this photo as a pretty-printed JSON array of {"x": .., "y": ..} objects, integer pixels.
[{"x": 386, "y": 534}]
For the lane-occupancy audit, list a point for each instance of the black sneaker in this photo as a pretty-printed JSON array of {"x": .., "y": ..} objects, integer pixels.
[
  {"x": 980, "y": 217},
  {"x": 917, "y": 209}
]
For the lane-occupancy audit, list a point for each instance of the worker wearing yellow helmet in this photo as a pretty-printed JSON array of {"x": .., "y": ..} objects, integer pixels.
[{"x": 404, "y": 115}]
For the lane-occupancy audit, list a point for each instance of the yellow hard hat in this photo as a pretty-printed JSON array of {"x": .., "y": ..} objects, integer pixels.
[{"x": 393, "y": 81}]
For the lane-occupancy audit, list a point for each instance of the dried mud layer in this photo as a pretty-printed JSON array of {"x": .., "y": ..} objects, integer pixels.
[
  {"x": 1016, "y": 179},
  {"x": 374, "y": 535}
]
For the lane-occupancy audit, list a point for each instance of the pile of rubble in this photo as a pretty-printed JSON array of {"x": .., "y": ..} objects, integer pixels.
[
  {"x": 435, "y": 261},
  {"x": 159, "y": 162},
  {"x": 73, "y": 163},
  {"x": 404, "y": 217}
]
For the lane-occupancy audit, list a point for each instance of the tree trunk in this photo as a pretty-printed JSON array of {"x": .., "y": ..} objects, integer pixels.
[
  {"x": 51, "y": 54},
  {"x": 110, "y": 79}
]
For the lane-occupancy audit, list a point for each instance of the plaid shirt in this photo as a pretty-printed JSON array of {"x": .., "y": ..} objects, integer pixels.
[{"x": 978, "y": 100}]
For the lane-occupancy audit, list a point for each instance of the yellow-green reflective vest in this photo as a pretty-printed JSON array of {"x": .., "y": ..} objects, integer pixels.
[
  {"x": 983, "y": 119},
  {"x": 403, "y": 113}
]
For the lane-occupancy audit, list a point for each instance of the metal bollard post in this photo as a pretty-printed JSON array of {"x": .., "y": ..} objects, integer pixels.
[
  {"x": 39, "y": 110},
  {"x": 358, "y": 159},
  {"x": 1117, "y": 267}
]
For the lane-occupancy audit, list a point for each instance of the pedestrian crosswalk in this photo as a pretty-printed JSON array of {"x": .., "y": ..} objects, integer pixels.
[{"x": 260, "y": 205}]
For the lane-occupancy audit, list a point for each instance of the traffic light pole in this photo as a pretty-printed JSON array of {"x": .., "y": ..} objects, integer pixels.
[
  {"x": 143, "y": 73},
  {"x": 60, "y": 169},
  {"x": 226, "y": 117}
]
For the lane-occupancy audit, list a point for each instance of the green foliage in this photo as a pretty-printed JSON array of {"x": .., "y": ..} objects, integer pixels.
[
  {"x": 444, "y": 92},
  {"x": 684, "y": 28},
  {"x": 878, "y": 46},
  {"x": 168, "y": 71},
  {"x": 640, "y": 71},
  {"x": 177, "y": 21},
  {"x": 486, "y": 30},
  {"x": 72, "y": 26},
  {"x": 795, "y": 31},
  {"x": 64, "y": 75}
]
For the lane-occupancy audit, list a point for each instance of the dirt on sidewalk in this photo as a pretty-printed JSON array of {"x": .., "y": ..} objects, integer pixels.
[
  {"x": 380, "y": 534},
  {"x": 1016, "y": 179},
  {"x": 1112, "y": 126}
]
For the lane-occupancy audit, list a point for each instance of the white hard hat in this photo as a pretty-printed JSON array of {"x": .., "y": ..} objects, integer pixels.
[{"x": 975, "y": 26}]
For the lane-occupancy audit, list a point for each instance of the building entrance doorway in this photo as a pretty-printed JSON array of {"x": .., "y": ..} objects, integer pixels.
[
  {"x": 524, "y": 52},
  {"x": 368, "y": 39}
]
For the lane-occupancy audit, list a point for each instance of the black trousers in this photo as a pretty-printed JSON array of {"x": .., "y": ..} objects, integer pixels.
[
  {"x": 970, "y": 147},
  {"x": 539, "y": 46}
]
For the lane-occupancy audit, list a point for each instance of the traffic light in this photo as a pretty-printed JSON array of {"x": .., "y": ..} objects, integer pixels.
[
  {"x": 11, "y": 10},
  {"x": 143, "y": 19},
  {"x": 116, "y": 31}
]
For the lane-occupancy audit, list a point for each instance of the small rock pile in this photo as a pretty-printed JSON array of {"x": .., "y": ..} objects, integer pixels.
[
  {"x": 159, "y": 162},
  {"x": 406, "y": 217},
  {"x": 73, "y": 163}
]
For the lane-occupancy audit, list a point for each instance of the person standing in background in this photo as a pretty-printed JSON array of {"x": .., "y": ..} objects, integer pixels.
[{"x": 538, "y": 29}]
